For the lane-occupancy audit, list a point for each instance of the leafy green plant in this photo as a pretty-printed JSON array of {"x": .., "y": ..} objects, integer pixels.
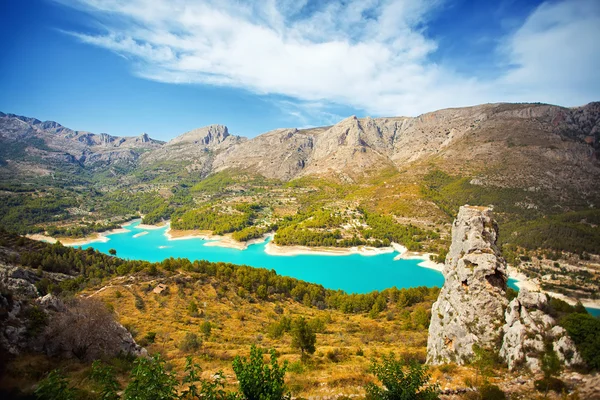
[
  {"x": 150, "y": 381},
  {"x": 54, "y": 387},
  {"x": 260, "y": 381},
  {"x": 208, "y": 390},
  {"x": 104, "y": 376},
  {"x": 401, "y": 381},
  {"x": 583, "y": 329}
]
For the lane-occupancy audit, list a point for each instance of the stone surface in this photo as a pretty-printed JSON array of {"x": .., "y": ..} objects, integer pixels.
[
  {"x": 528, "y": 328},
  {"x": 470, "y": 307}
]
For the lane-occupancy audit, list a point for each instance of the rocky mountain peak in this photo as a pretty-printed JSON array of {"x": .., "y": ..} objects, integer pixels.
[
  {"x": 144, "y": 138},
  {"x": 207, "y": 136},
  {"x": 471, "y": 304}
]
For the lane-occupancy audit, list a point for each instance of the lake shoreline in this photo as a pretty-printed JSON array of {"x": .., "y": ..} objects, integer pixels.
[
  {"x": 226, "y": 241},
  {"x": 99, "y": 237}
]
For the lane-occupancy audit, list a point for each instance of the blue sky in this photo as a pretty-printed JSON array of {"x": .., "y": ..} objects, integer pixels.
[{"x": 168, "y": 66}]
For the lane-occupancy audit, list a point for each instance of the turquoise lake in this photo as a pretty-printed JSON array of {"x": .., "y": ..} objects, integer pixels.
[{"x": 353, "y": 273}]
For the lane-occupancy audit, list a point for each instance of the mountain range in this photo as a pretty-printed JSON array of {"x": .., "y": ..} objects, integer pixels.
[{"x": 508, "y": 145}]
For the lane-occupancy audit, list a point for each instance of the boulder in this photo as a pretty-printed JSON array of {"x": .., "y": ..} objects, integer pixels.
[{"x": 527, "y": 331}]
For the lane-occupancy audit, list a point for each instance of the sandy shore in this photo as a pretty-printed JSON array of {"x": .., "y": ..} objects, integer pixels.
[
  {"x": 137, "y": 235},
  {"x": 522, "y": 281},
  {"x": 213, "y": 240},
  {"x": 426, "y": 263},
  {"x": 151, "y": 227},
  {"x": 276, "y": 250},
  {"x": 95, "y": 238}
]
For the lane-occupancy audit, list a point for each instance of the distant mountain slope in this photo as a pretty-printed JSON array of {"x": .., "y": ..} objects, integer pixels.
[
  {"x": 31, "y": 146},
  {"x": 533, "y": 146}
]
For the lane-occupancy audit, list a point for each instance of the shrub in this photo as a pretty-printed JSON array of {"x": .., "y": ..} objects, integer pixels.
[
  {"x": 583, "y": 329},
  {"x": 54, "y": 387},
  {"x": 104, "y": 376},
  {"x": 491, "y": 392},
  {"x": 258, "y": 380},
  {"x": 401, "y": 381},
  {"x": 139, "y": 303},
  {"x": 206, "y": 328},
  {"x": 150, "y": 337},
  {"x": 303, "y": 337},
  {"x": 193, "y": 309},
  {"x": 190, "y": 342},
  {"x": 150, "y": 381},
  {"x": 549, "y": 383}
]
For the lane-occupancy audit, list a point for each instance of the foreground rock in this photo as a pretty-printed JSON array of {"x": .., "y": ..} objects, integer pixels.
[
  {"x": 82, "y": 328},
  {"x": 471, "y": 304},
  {"x": 528, "y": 329},
  {"x": 472, "y": 307}
]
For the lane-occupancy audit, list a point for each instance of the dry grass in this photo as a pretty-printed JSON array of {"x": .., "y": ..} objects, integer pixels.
[{"x": 339, "y": 365}]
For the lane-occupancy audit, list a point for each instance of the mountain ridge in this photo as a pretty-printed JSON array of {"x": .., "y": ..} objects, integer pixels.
[{"x": 469, "y": 139}]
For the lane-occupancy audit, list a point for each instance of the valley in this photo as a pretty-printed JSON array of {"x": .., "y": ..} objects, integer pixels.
[{"x": 211, "y": 243}]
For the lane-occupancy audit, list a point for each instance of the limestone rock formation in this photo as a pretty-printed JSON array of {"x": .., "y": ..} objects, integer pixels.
[
  {"x": 528, "y": 328},
  {"x": 19, "y": 300},
  {"x": 471, "y": 304}
]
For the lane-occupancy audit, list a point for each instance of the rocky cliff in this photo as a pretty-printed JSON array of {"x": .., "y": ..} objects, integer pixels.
[
  {"x": 472, "y": 308},
  {"x": 529, "y": 330},
  {"x": 471, "y": 304}
]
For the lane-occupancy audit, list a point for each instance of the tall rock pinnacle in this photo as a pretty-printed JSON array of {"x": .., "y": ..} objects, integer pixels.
[{"x": 471, "y": 304}]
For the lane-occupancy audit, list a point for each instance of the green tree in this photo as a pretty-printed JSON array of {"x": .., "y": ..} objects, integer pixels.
[
  {"x": 401, "y": 381},
  {"x": 260, "y": 381},
  {"x": 150, "y": 381},
  {"x": 112, "y": 252},
  {"x": 551, "y": 367},
  {"x": 303, "y": 337}
]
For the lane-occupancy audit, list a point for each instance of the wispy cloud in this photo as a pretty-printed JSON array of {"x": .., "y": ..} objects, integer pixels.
[{"x": 367, "y": 54}]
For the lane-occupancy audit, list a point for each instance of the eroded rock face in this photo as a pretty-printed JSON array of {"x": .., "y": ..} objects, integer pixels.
[
  {"x": 471, "y": 304},
  {"x": 528, "y": 328}
]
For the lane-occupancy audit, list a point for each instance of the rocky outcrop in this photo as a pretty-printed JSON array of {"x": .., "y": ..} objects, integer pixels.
[
  {"x": 29, "y": 323},
  {"x": 472, "y": 308},
  {"x": 529, "y": 329},
  {"x": 471, "y": 304}
]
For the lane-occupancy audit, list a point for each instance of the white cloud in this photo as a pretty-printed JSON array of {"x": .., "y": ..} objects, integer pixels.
[{"x": 370, "y": 54}]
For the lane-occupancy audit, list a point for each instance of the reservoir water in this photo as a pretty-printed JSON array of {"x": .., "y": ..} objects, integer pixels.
[{"x": 352, "y": 273}]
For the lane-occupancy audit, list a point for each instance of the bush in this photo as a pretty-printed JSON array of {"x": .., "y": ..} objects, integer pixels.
[
  {"x": 104, "y": 377},
  {"x": 491, "y": 392},
  {"x": 258, "y": 380},
  {"x": 54, "y": 387},
  {"x": 401, "y": 381},
  {"x": 139, "y": 303},
  {"x": 206, "y": 328},
  {"x": 303, "y": 337},
  {"x": 190, "y": 342},
  {"x": 583, "y": 329},
  {"x": 150, "y": 381},
  {"x": 549, "y": 383}
]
